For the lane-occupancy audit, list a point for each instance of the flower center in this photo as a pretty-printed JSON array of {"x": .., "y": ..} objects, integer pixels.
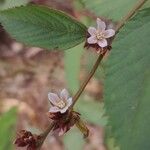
[
  {"x": 61, "y": 104},
  {"x": 99, "y": 35}
]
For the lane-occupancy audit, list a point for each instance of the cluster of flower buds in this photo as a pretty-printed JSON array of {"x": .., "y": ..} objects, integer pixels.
[
  {"x": 99, "y": 38},
  {"x": 27, "y": 139}
]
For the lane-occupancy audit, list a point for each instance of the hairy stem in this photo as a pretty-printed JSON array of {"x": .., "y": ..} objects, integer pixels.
[
  {"x": 130, "y": 14},
  {"x": 79, "y": 92},
  {"x": 45, "y": 134}
]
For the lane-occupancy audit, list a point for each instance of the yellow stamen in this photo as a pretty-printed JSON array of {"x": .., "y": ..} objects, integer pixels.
[
  {"x": 61, "y": 104},
  {"x": 99, "y": 35}
]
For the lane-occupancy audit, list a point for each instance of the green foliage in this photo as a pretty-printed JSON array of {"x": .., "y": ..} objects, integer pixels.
[
  {"x": 113, "y": 9},
  {"x": 5, "y": 4},
  {"x": 43, "y": 27},
  {"x": 7, "y": 129},
  {"x": 127, "y": 84}
]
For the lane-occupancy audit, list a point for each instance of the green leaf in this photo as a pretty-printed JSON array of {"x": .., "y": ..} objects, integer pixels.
[
  {"x": 73, "y": 140},
  {"x": 7, "y": 129},
  {"x": 127, "y": 84},
  {"x": 113, "y": 9},
  {"x": 5, "y": 4},
  {"x": 43, "y": 27},
  {"x": 72, "y": 66}
]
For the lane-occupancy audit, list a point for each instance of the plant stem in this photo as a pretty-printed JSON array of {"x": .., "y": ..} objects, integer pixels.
[
  {"x": 130, "y": 14},
  {"x": 119, "y": 26},
  {"x": 45, "y": 134},
  {"x": 79, "y": 92}
]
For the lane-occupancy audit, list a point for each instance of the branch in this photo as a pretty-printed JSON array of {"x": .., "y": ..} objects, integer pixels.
[
  {"x": 79, "y": 92},
  {"x": 45, "y": 134}
]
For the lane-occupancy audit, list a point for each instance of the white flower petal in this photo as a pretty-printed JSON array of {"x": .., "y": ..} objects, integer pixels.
[
  {"x": 54, "y": 109},
  {"x": 102, "y": 43},
  {"x": 92, "y": 30},
  {"x": 64, "y": 110},
  {"x": 54, "y": 99},
  {"x": 109, "y": 33},
  {"x": 69, "y": 102},
  {"x": 64, "y": 94},
  {"x": 92, "y": 40},
  {"x": 101, "y": 26}
]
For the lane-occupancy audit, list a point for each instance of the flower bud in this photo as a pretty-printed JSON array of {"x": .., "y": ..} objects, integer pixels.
[{"x": 26, "y": 138}]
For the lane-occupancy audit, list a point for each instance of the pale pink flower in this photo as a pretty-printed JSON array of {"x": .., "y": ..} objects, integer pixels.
[
  {"x": 100, "y": 34},
  {"x": 60, "y": 103}
]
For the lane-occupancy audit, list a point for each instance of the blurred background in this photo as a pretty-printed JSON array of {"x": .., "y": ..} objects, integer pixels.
[{"x": 27, "y": 74}]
